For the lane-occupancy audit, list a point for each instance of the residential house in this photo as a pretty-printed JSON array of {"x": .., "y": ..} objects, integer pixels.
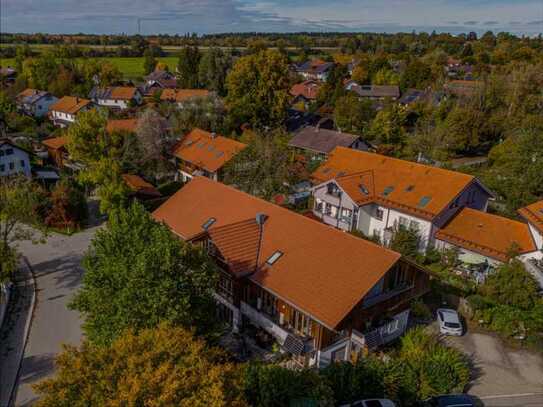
[
  {"x": 65, "y": 110},
  {"x": 157, "y": 81},
  {"x": 323, "y": 295},
  {"x": 320, "y": 142},
  {"x": 56, "y": 149},
  {"x": 139, "y": 188},
  {"x": 204, "y": 153},
  {"x": 14, "y": 159},
  {"x": 34, "y": 102},
  {"x": 315, "y": 69},
  {"x": 374, "y": 92},
  {"x": 455, "y": 69},
  {"x": 116, "y": 97},
  {"x": 462, "y": 88},
  {"x": 411, "y": 96},
  {"x": 533, "y": 214},
  {"x": 297, "y": 119},
  {"x": 8, "y": 75},
  {"x": 305, "y": 93},
  {"x": 375, "y": 194},
  {"x": 122, "y": 125},
  {"x": 182, "y": 96},
  {"x": 484, "y": 238}
]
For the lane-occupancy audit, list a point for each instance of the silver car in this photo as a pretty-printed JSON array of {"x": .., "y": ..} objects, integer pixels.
[
  {"x": 373, "y": 403},
  {"x": 449, "y": 322}
]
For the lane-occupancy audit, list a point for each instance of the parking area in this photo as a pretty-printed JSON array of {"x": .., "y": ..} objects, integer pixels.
[{"x": 502, "y": 374}]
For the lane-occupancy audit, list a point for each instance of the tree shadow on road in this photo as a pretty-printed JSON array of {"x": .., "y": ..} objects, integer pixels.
[
  {"x": 67, "y": 270},
  {"x": 35, "y": 368},
  {"x": 476, "y": 372}
]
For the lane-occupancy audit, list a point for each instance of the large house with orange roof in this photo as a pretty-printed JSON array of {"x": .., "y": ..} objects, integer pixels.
[
  {"x": 376, "y": 194},
  {"x": 533, "y": 214},
  {"x": 64, "y": 111},
  {"x": 204, "y": 153},
  {"x": 322, "y": 294},
  {"x": 316, "y": 69},
  {"x": 116, "y": 97}
]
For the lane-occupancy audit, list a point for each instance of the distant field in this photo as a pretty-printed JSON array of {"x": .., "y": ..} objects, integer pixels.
[{"x": 131, "y": 68}]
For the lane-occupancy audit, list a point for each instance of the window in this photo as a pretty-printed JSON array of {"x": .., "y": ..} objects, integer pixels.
[
  {"x": 332, "y": 189},
  {"x": 319, "y": 205},
  {"x": 208, "y": 223},
  {"x": 2, "y": 167},
  {"x": 274, "y": 257},
  {"x": 331, "y": 210},
  {"x": 403, "y": 221},
  {"x": 23, "y": 163},
  {"x": 9, "y": 151},
  {"x": 11, "y": 165},
  {"x": 346, "y": 214},
  {"x": 425, "y": 200},
  {"x": 414, "y": 225},
  {"x": 379, "y": 213},
  {"x": 388, "y": 190}
]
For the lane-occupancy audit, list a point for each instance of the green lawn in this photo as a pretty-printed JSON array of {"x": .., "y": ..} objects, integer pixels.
[{"x": 132, "y": 68}]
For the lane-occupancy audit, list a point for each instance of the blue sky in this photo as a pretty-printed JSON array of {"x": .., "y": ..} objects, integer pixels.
[{"x": 212, "y": 16}]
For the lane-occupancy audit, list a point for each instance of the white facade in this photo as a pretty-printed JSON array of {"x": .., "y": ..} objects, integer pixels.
[
  {"x": 538, "y": 237},
  {"x": 13, "y": 161},
  {"x": 119, "y": 103}
]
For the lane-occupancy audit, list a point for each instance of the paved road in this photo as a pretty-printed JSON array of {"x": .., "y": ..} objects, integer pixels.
[{"x": 56, "y": 265}]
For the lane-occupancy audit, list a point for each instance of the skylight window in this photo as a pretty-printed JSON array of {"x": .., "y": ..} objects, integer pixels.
[
  {"x": 211, "y": 148},
  {"x": 274, "y": 257},
  {"x": 388, "y": 190},
  {"x": 219, "y": 154},
  {"x": 363, "y": 189},
  {"x": 409, "y": 188},
  {"x": 208, "y": 223},
  {"x": 425, "y": 200}
]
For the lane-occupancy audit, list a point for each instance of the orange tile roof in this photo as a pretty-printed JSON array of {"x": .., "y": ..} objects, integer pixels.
[
  {"x": 123, "y": 92},
  {"x": 534, "y": 214},
  {"x": 55, "y": 142},
  {"x": 407, "y": 183},
  {"x": 70, "y": 105},
  {"x": 487, "y": 234},
  {"x": 180, "y": 95},
  {"x": 307, "y": 89},
  {"x": 129, "y": 125},
  {"x": 139, "y": 185},
  {"x": 206, "y": 151},
  {"x": 323, "y": 271}
]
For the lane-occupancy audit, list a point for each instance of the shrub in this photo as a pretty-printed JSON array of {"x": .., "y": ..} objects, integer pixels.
[{"x": 420, "y": 310}]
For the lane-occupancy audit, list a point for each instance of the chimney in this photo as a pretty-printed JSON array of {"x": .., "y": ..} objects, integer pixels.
[
  {"x": 261, "y": 219},
  {"x": 77, "y": 99},
  {"x": 213, "y": 135}
]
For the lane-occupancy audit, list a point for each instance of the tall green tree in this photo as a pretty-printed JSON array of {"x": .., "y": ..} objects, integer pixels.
[
  {"x": 188, "y": 68},
  {"x": 138, "y": 274},
  {"x": 162, "y": 366},
  {"x": 258, "y": 89},
  {"x": 149, "y": 61},
  {"x": 353, "y": 115},
  {"x": 213, "y": 69},
  {"x": 20, "y": 201}
]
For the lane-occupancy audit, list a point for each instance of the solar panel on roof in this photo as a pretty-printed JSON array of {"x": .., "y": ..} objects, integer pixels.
[
  {"x": 388, "y": 190},
  {"x": 425, "y": 200}
]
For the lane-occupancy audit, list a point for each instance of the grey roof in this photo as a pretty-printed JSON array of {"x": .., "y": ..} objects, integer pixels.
[
  {"x": 321, "y": 140},
  {"x": 377, "y": 91},
  {"x": 315, "y": 68},
  {"x": 159, "y": 76},
  {"x": 411, "y": 96},
  {"x": 32, "y": 98}
]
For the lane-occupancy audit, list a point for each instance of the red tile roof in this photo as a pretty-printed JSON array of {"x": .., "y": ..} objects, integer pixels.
[
  {"x": 307, "y": 89},
  {"x": 419, "y": 189},
  {"x": 129, "y": 125},
  {"x": 534, "y": 214},
  {"x": 490, "y": 235},
  {"x": 55, "y": 142},
  {"x": 323, "y": 271},
  {"x": 206, "y": 150},
  {"x": 140, "y": 186},
  {"x": 180, "y": 95}
]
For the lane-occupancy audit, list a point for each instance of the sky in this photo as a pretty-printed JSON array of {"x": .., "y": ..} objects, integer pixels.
[{"x": 219, "y": 16}]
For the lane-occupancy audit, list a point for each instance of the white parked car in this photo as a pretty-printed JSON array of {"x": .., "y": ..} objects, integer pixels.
[
  {"x": 371, "y": 403},
  {"x": 449, "y": 322}
]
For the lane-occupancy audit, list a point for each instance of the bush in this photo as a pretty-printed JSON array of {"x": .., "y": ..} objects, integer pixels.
[{"x": 420, "y": 310}]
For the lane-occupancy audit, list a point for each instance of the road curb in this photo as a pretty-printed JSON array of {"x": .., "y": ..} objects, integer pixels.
[{"x": 26, "y": 335}]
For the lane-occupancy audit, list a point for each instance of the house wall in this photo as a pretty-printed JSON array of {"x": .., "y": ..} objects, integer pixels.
[
  {"x": 538, "y": 237},
  {"x": 343, "y": 202},
  {"x": 442, "y": 246},
  {"x": 120, "y": 104},
  {"x": 19, "y": 160}
]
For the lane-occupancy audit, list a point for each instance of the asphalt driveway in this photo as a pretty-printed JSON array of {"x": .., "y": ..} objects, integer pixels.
[
  {"x": 503, "y": 376},
  {"x": 56, "y": 265}
]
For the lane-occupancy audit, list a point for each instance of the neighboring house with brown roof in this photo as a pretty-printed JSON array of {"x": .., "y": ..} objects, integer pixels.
[
  {"x": 14, "y": 159},
  {"x": 157, "y": 81},
  {"x": 323, "y": 295},
  {"x": 116, "y": 97},
  {"x": 65, "y": 110},
  {"x": 315, "y": 69},
  {"x": 533, "y": 214},
  {"x": 56, "y": 149},
  {"x": 376, "y": 194},
  {"x": 182, "y": 96},
  {"x": 127, "y": 125},
  {"x": 140, "y": 189},
  {"x": 320, "y": 142},
  {"x": 305, "y": 92},
  {"x": 374, "y": 92},
  {"x": 34, "y": 102},
  {"x": 204, "y": 153},
  {"x": 485, "y": 238}
]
